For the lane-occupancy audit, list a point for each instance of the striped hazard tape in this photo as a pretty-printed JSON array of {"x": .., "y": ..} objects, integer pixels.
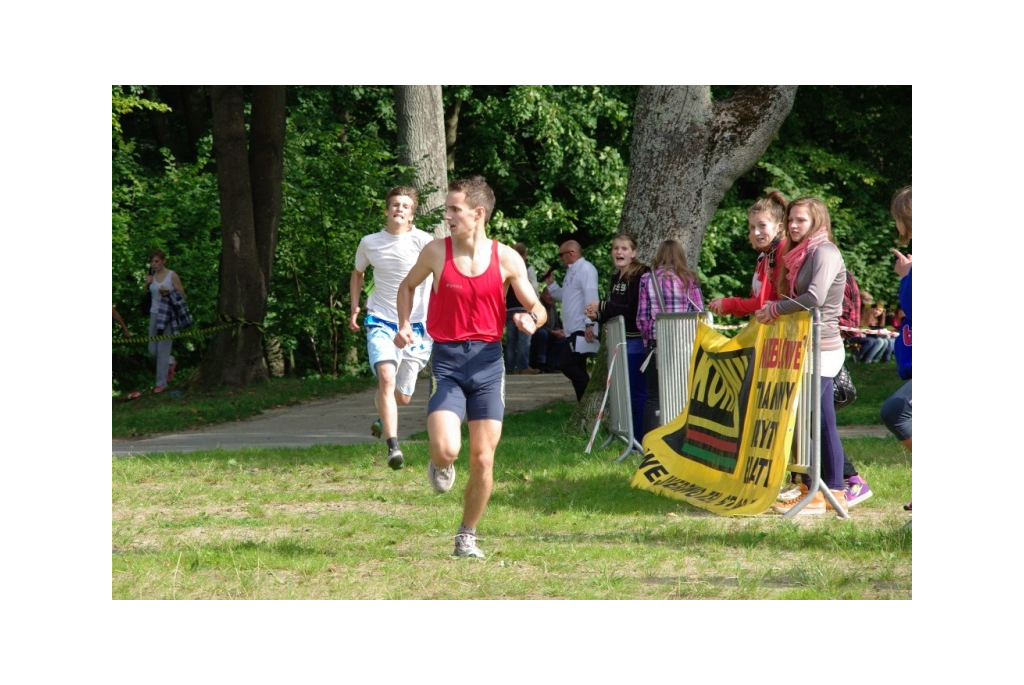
[
  {"x": 860, "y": 331},
  {"x": 227, "y": 322}
]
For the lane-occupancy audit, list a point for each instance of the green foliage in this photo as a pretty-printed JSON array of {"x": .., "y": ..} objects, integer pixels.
[
  {"x": 125, "y": 101},
  {"x": 336, "y": 177},
  {"x": 555, "y": 156},
  {"x": 172, "y": 208},
  {"x": 338, "y": 167}
]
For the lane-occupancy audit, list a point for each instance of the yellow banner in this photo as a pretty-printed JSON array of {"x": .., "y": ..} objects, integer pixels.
[{"x": 727, "y": 452}]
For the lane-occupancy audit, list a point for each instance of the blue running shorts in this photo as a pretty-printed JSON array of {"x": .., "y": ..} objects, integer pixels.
[{"x": 468, "y": 378}]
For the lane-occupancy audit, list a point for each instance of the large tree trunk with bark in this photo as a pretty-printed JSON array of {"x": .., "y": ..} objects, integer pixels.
[
  {"x": 686, "y": 153},
  {"x": 249, "y": 185},
  {"x": 421, "y": 143}
]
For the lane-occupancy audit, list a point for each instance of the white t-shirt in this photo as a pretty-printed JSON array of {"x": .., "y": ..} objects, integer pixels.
[
  {"x": 392, "y": 256},
  {"x": 154, "y": 287},
  {"x": 578, "y": 288}
]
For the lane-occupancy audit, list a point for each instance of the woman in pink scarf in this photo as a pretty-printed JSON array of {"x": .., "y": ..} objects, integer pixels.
[{"x": 812, "y": 274}]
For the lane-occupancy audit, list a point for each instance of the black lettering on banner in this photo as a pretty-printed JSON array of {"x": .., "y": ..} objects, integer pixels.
[
  {"x": 732, "y": 502},
  {"x": 763, "y": 435},
  {"x": 683, "y": 487},
  {"x": 656, "y": 468},
  {"x": 713, "y": 389},
  {"x": 758, "y": 471},
  {"x": 774, "y": 396},
  {"x": 705, "y": 383},
  {"x": 709, "y": 497},
  {"x": 692, "y": 491},
  {"x": 733, "y": 368}
]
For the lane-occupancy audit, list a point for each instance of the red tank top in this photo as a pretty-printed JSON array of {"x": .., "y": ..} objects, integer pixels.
[{"x": 467, "y": 307}]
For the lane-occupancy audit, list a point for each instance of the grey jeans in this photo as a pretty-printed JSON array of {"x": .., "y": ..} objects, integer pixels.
[{"x": 161, "y": 349}]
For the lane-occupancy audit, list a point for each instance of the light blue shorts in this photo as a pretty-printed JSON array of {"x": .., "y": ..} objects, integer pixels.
[{"x": 410, "y": 360}]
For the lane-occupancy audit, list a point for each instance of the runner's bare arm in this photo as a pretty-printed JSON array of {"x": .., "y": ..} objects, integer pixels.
[
  {"x": 355, "y": 292},
  {"x": 513, "y": 271}
]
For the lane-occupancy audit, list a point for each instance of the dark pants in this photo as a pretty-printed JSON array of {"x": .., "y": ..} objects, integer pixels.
[
  {"x": 635, "y": 355},
  {"x": 832, "y": 455},
  {"x": 546, "y": 350},
  {"x": 574, "y": 366},
  {"x": 897, "y": 412},
  {"x": 652, "y": 403}
]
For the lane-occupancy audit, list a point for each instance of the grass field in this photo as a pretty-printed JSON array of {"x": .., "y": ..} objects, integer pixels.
[{"x": 336, "y": 523}]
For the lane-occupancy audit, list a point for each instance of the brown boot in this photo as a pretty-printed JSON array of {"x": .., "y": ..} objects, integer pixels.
[
  {"x": 840, "y": 496},
  {"x": 815, "y": 506}
]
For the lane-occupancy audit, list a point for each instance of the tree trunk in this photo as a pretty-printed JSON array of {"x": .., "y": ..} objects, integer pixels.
[
  {"x": 266, "y": 169},
  {"x": 249, "y": 186},
  {"x": 197, "y": 116},
  {"x": 161, "y": 123},
  {"x": 421, "y": 143},
  {"x": 686, "y": 153},
  {"x": 451, "y": 127}
]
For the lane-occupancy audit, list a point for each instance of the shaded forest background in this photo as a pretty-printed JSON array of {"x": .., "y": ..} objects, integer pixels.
[{"x": 556, "y": 156}]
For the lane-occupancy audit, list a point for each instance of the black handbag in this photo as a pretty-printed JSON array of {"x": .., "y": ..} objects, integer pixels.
[{"x": 845, "y": 392}]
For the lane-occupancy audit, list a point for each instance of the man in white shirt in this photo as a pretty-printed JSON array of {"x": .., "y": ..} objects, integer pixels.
[
  {"x": 578, "y": 288},
  {"x": 392, "y": 252}
]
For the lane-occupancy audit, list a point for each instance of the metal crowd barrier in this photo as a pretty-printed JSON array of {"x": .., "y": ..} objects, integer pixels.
[
  {"x": 676, "y": 336},
  {"x": 806, "y": 412},
  {"x": 676, "y": 333},
  {"x": 806, "y": 454},
  {"x": 620, "y": 418}
]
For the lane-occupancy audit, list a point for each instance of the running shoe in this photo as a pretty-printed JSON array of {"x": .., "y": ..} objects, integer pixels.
[
  {"x": 791, "y": 492},
  {"x": 857, "y": 490},
  {"x": 465, "y": 546},
  {"x": 396, "y": 459},
  {"x": 441, "y": 480}
]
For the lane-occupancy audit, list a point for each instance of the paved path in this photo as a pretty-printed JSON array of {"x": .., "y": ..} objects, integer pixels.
[
  {"x": 346, "y": 419},
  {"x": 343, "y": 420}
]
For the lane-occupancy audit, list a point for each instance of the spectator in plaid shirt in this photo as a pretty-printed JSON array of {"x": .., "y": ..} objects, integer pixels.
[{"x": 681, "y": 291}]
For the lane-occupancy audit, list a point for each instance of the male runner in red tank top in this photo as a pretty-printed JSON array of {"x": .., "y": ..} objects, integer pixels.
[{"x": 466, "y": 319}]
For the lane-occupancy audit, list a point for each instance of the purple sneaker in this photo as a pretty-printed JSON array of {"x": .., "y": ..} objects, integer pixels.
[{"x": 857, "y": 490}]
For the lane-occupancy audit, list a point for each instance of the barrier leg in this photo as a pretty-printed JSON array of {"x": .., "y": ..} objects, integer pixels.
[{"x": 604, "y": 401}]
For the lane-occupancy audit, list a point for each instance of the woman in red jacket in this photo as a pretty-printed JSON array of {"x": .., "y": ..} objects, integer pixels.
[{"x": 766, "y": 217}]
